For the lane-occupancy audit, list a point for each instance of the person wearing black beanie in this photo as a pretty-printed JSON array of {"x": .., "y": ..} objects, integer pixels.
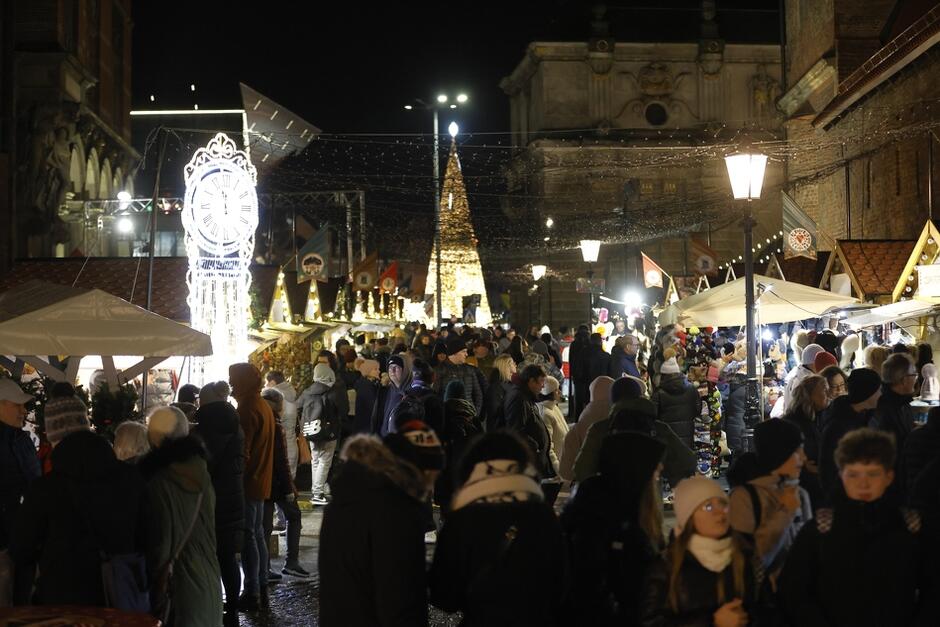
[
  {"x": 772, "y": 507},
  {"x": 847, "y": 413}
]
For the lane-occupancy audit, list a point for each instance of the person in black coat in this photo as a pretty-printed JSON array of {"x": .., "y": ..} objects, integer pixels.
[
  {"x": 500, "y": 557},
  {"x": 921, "y": 448},
  {"x": 89, "y": 503},
  {"x": 580, "y": 373},
  {"x": 810, "y": 397},
  {"x": 367, "y": 397},
  {"x": 613, "y": 524},
  {"x": 863, "y": 562},
  {"x": 522, "y": 416},
  {"x": 500, "y": 383},
  {"x": 422, "y": 377},
  {"x": 219, "y": 427},
  {"x": 677, "y": 402},
  {"x": 733, "y": 410},
  {"x": 598, "y": 359},
  {"x": 847, "y": 413},
  {"x": 372, "y": 556},
  {"x": 894, "y": 413},
  {"x": 19, "y": 464}
]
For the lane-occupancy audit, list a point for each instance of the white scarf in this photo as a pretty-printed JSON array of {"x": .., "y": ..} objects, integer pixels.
[
  {"x": 715, "y": 555},
  {"x": 498, "y": 481}
]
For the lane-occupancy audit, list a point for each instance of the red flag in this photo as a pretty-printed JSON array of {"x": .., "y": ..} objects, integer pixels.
[
  {"x": 652, "y": 273},
  {"x": 703, "y": 258},
  {"x": 389, "y": 279}
]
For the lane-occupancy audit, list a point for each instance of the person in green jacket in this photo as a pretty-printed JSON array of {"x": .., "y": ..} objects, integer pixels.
[
  {"x": 180, "y": 496},
  {"x": 631, "y": 412}
]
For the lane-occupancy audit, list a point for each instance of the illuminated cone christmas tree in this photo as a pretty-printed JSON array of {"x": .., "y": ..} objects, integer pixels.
[{"x": 461, "y": 272}]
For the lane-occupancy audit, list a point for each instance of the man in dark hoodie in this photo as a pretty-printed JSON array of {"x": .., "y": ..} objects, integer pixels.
[
  {"x": 372, "y": 554},
  {"x": 218, "y": 425},
  {"x": 89, "y": 503}
]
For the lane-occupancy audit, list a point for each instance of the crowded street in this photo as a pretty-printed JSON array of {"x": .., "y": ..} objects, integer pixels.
[{"x": 555, "y": 314}]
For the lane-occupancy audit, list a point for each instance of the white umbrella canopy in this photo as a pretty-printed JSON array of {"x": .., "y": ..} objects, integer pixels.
[
  {"x": 39, "y": 318},
  {"x": 778, "y": 301}
]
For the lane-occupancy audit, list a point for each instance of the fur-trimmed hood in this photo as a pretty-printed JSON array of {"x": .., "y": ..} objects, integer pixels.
[
  {"x": 183, "y": 458},
  {"x": 368, "y": 452}
]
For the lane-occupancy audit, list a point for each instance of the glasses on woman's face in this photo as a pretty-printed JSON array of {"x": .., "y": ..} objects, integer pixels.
[{"x": 715, "y": 505}]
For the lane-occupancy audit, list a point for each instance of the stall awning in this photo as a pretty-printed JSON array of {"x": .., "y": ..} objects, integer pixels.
[
  {"x": 39, "y": 318},
  {"x": 895, "y": 312},
  {"x": 779, "y": 301}
]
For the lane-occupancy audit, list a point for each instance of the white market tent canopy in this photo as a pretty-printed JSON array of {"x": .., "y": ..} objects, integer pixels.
[
  {"x": 46, "y": 319},
  {"x": 895, "y": 312},
  {"x": 778, "y": 301}
]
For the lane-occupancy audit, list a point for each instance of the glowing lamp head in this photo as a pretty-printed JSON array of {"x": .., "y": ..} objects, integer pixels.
[
  {"x": 746, "y": 172},
  {"x": 590, "y": 249},
  {"x": 767, "y": 335},
  {"x": 538, "y": 271},
  {"x": 408, "y": 107},
  {"x": 453, "y": 129},
  {"x": 462, "y": 98},
  {"x": 632, "y": 300},
  {"x": 125, "y": 225},
  {"x": 549, "y": 223},
  {"x": 442, "y": 98}
]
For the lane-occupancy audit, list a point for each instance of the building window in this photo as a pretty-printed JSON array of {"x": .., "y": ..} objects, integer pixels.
[
  {"x": 670, "y": 187},
  {"x": 646, "y": 188}
]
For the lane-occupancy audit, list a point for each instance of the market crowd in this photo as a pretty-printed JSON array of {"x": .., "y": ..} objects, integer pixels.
[{"x": 826, "y": 512}]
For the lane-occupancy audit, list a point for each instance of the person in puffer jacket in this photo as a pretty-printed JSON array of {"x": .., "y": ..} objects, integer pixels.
[{"x": 677, "y": 402}]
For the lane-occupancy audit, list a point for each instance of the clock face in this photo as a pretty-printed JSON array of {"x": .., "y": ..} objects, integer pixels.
[
  {"x": 221, "y": 209},
  {"x": 800, "y": 240}
]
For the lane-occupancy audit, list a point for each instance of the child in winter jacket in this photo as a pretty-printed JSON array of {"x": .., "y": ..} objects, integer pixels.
[
  {"x": 864, "y": 562},
  {"x": 707, "y": 576},
  {"x": 553, "y": 418}
]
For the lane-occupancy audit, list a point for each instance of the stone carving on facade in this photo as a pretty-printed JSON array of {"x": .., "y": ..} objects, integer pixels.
[
  {"x": 765, "y": 90},
  {"x": 711, "y": 53},
  {"x": 656, "y": 83},
  {"x": 45, "y": 169}
]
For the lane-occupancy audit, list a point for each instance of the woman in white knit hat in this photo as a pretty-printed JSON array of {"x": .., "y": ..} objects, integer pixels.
[{"x": 707, "y": 576}]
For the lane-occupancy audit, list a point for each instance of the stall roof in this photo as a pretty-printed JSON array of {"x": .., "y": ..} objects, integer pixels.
[
  {"x": 40, "y": 318},
  {"x": 126, "y": 278},
  {"x": 895, "y": 312},
  {"x": 873, "y": 265}
]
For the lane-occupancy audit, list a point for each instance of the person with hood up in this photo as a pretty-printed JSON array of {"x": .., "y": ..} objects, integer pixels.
[
  {"x": 367, "y": 396},
  {"x": 771, "y": 507},
  {"x": 865, "y": 562},
  {"x": 339, "y": 392},
  {"x": 455, "y": 367},
  {"x": 539, "y": 355},
  {"x": 422, "y": 379},
  {"x": 372, "y": 554},
  {"x": 894, "y": 413},
  {"x": 392, "y": 392},
  {"x": 180, "y": 506},
  {"x": 613, "y": 523},
  {"x": 500, "y": 556},
  {"x": 500, "y": 382},
  {"x": 187, "y": 400},
  {"x": 283, "y": 496},
  {"x": 630, "y": 412},
  {"x": 320, "y": 416},
  {"x": 90, "y": 503},
  {"x": 219, "y": 426},
  {"x": 677, "y": 402},
  {"x": 275, "y": 379},
  {"x": 554, "y": 419},
  {"x": 595, "y": 411},
  {"x": 849, "y": 412},
  {"x": 707, "y": 576},
  {"x": 793, "y": 378},
  {"x": 422, "y": 345},
  {"x": 257, "y": 423},
  {"x": 461, "y": 424},
  {"x": 580, "y": 373}
]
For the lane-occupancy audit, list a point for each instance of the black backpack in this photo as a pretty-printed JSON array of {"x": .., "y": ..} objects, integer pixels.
[{"x": 325, "y": 427}]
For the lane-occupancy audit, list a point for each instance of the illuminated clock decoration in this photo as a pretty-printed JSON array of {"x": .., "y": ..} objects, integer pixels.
[
  {"x": 800, "y": 240},
  {"x": 220, "y": 215}
]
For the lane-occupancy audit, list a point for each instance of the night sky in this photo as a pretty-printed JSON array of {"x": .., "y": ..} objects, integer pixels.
[{"x": 350, "y": 67}]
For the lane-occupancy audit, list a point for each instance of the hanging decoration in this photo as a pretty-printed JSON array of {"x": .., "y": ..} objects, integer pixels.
[{"x": 220, "y": 215}]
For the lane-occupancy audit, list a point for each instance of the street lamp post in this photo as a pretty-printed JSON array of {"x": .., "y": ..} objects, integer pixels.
[
  {"x": 440, "y": 102},
  {"x": 538, "y": 271},
  {"x": 746, "y": 173},
  {"x": 590, "y": 249}
]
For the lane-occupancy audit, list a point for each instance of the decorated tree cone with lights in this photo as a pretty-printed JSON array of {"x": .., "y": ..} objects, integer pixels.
[{"x": 461, "y": 271}]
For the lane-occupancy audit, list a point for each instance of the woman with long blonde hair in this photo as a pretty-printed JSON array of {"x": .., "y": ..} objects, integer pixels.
[
  {"x": 504, "y": 367},
  {"x": 708, "y": 575}
]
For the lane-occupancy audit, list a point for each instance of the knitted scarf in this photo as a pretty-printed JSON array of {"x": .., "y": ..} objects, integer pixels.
[
  {"x": 498, "y": 481},
  {"x": 715, "y": 555}
]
